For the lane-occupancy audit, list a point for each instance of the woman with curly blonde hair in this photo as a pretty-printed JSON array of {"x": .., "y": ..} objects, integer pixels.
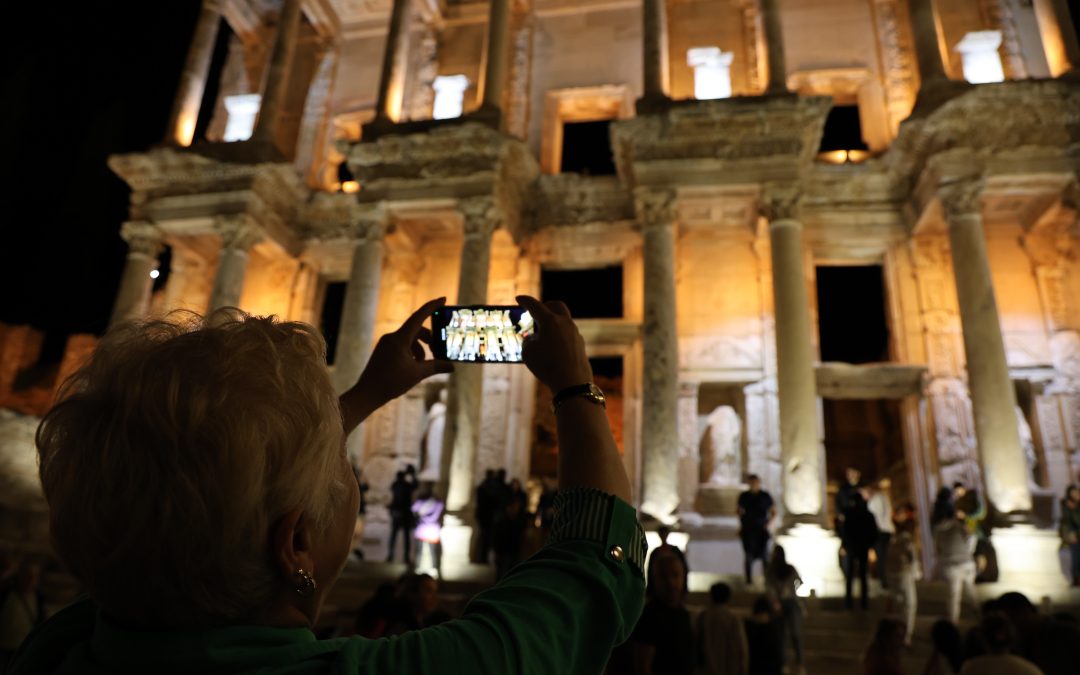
[{"x": 199, "y": 489}]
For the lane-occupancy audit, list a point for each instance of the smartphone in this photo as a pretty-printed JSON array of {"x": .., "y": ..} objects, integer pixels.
[{"x": 480, "y": 333}]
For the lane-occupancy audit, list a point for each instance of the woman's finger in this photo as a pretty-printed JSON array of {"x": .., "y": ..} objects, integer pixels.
[
  {"x": 558, "y": 307},
  {"x": 414, "y": 323}
]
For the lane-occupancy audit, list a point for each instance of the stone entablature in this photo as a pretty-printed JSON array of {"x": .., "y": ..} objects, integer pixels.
[{"x": 569, "y": 199}]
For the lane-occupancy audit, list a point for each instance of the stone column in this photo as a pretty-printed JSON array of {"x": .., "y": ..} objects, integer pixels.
[
  {"x": 993, "y": 397},
  {"x": 277, "y": 77},
  {"x": 774, "y": 43},
  {"x": 497, "y": 54},
  {"x": 924, "y": 27},
  {"x": 238, "y": 235},
  {"x": 801, "y": 454},
  {"x": 133, "y": 296},
  {"x": 660, "y": 380},
  {"x": 185, "y": 110},
  {"x": 655, "y": 56},
  {"x": 462, "y": 434},
  {"x": 360, "y": 305},
  {"x": 393, "y": 64},
  {"x": 1058, "y": 35}
]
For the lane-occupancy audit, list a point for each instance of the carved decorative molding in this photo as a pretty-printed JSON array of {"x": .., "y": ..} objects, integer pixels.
[
  {"x": 238, "y": 231},
  {"x": 143, "y": 239},
  {"x": 654, "y": 207},
  {"x": 781, "y": 202},
  {"x": 480, "y": 217},
  {"x": 1000, "y": 15},
  {"x": 898, "y": 58},
  {"x": 962, "y": 198},
  {"x": 519, "y": 79}
]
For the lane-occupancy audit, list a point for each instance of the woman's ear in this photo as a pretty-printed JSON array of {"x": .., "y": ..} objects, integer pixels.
[{"x": 291, "y": 544}]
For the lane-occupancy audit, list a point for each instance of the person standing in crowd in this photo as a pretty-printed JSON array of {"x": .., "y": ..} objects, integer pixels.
[
  {"x": 401, "y": 517},
  {"x": 664, "y": 532},
  {"x": 721, "y": 638},
  {"x": 860, "y": 534},
  {"x": 943, "y": 509},
  {"x": 845, "y": 497},
  {"x": 516, "y": 493},
  {"x": 880, "y": 505},
  {"x": 904, "y": 569},
  {"x": 782, "y": 581},
  {"x": 428, "y": 511},
  {"x": 21, "y": 609},
  {"x": 765, "y": 638},
  {"x": 948, "y": 655},
  {"x": 756, "y": 510},
  {"x": 663, "y": 641},
  {"x": 954, "y": 546},
  {"x": 509, "y": 536},
  {"x": 1070, "y": 529},
  {"x": 487, "y": 510},
  {"x": 884, "y": 656},
  {"x": 972, "y": 510},
  {"x": 416, "y": 605},
  {"x": 999, "y": 637},
  {"x": 1051, "y": 644}
]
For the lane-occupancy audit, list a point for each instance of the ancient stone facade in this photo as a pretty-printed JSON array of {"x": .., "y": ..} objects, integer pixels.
[{"x": 719, "y": 213}]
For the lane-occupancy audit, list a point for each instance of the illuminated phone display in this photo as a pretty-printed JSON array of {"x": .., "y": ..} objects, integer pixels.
[{"x": 480, "y": 333}]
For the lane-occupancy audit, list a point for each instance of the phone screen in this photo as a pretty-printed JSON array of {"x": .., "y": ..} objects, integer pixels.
[{"x": 480, "y": 333}]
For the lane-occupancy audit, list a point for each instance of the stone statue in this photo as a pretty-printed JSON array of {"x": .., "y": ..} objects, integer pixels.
[
  {"x": 724, "y": 439},
  {"x": 433, "y": 440}
]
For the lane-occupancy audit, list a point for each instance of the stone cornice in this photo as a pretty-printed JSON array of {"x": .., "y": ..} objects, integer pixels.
[{"x": 568, "y": 199}]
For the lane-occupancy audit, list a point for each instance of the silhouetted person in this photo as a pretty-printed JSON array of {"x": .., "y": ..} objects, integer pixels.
[
  {"x": 721, "y": 638},
  {"x": 756, "y": 510},
  {"x": 508, "y": 537},
  {"x": 999, "y": 637},
  {"x": 417, "y": 604},
  {"x": 1052, "y": 645},
  {"x": 663, "y": 641},
  {"x": 665, "y": 547},
  {"x": 884, "y": 656},
  {"x": 860, "y": 535},
  {"x": 488, "y": 495},
  {"x": 948, "y": 655},
  {"x": 944, "y": 508},
  {"x": 782, "y": 581},
  {"x": 765, "y": 638},
  {"x": 845, "y": 496},
  {"x": 1070, "y": 529},
  {"x": 401, "y": 517}
]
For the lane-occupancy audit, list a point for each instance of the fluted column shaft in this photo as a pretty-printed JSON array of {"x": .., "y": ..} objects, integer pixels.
[
  {"x": 277, "y": 77},
  {"x": 462, "y": 433},
  {"x": 185, "y": 110},
  {"x": 660, "y": 380},
  {"x": 497, "y": 54},
  {"x": 801, "y": 454},
  {"x": 654, "y": 43},
  {"x": 924, "y": 26},
  {"x": 237, "y": 238},
  {"x": 393, "y": 64},
  {"x": 993, "y": 398},
  {"x": 360, "y": 306},
  {"x": 774, "y": 44},
  {"x": 133, "y": 296}
]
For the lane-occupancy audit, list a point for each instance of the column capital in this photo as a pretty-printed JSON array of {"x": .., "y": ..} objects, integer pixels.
[
  {"x": 781, "y": 202},
  {"x": 654, "y": 207},
  {"x": 238, "y": 232},
  {"x": 960, "y": 198},
  {"x": 143, "y": 238},
  {"x": 479, "y": 216},
  {"x": 370, "y": 225}
]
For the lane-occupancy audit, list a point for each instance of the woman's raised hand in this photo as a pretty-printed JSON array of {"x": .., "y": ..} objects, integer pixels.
[{"x": 555, "y": 352}]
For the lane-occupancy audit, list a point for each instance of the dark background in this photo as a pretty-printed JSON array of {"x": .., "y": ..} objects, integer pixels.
[{"x": 80, "y": 81}]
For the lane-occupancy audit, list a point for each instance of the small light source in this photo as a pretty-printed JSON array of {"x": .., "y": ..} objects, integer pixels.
[
  {"x": 242, "y": 109},
  {"x": 350, "y": 187},
  {"x": 979, "y": 52},
  {"x": 712, "y": 72},
  {"x": 449, "y": 96},
  {"x": 154, "y": 274}
]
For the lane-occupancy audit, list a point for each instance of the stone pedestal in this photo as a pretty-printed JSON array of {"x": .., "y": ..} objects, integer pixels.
[
  {"x": 360, "y": 306},
  {"x": 1028, "y": 561},
  {"x": 660, "y": 377},
  {"x": 185, "y": 111},
  {"x": 497, "y": 54},
  {"x": 774, "y": 43},
  {"x": 993, "y": 397},
  {"x": 277, "y": 76},
  {"x": 802, "y": 456},
  {"x": 815, "y": 552},
  {"x": 393, "y": 65},
  {"x": 462, "y": 433},
  {"x": 237, "y": 238},
  {"x": 133, "y": 296}
]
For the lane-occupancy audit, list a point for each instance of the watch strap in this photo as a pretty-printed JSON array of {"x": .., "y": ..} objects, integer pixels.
[{"x": 586, "y": 390}]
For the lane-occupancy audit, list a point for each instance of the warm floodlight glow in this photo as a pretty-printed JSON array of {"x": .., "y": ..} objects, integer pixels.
[
  {"x": 154, "y": 274},
  {"x": 242, "y": 109},
  {"x": 712, "y": 72},
  {"x": 185, "y": 130},
  {"x": 449, "y": 96},
  {"x": 844, "y": 156},
  {"x": 979, "y": 51},
  {"x": 350, "y": 187}
]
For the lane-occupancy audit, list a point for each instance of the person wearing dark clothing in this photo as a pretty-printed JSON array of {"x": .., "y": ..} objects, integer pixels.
[
  {"x": 658, "y": 554},
  {"x": 948, "y": 655},
  {"x": 756, "y": 510},
  {"x": 765, "y": 638},
  {"x": 663, "y": 640},
  {"x": 1048, "y": 643},
  {"x": 1070, "y": 529},
  {"x": 860, "y": 535},
  {"x": 845, "y": 496},
  {"x": 508, "y": 535},
  {"x": 944, "y": 508},
  {"x": 488, "y": 495},
  {"x": 401, "y": 516}
]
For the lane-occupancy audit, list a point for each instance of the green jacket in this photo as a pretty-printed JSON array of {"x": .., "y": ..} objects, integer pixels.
[{"x": 559, "y": 613}]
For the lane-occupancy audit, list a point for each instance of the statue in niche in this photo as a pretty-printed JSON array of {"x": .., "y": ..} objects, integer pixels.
[
  {"x": 723, "y": 445},
  {"x": 431, "y": 446},
  {"x": 1027, "y": 442}
]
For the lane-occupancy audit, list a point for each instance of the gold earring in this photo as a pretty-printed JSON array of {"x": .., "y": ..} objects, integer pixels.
[{"x": 306, "y": 585}]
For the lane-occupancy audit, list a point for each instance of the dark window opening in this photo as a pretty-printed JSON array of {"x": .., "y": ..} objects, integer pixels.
[
  {"x": 213, "y": 80},
  {"x": 843, "y": 130},
  {"x": 586, "y": 149},
  {"x": 330, "y": 323},
  {"x": 851, "y": 314},
  {"x": 590, "y": 294},
  {"x": 610, "y": 367}
]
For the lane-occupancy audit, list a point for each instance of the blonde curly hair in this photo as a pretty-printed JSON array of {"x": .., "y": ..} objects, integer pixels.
[{"x": 173, "y": 452}]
